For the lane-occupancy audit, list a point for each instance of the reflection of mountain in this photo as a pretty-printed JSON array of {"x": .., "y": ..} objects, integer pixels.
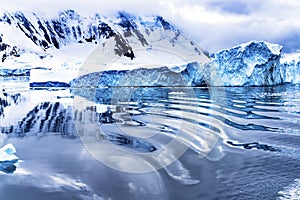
[
  {"x": 8, "y": 100},
  {"x": 55, "y": 118},
  {"x": 45, "y": 117}
]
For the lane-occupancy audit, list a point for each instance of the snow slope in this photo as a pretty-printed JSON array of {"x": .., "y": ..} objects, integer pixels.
[
  {"x": 58, "y": 48},
  {"x": 130, "y": 50}
]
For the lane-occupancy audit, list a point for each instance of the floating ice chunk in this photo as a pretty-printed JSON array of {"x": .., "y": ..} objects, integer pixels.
[
  {"x": 8, "y": 159},
  {"x": 7, "y": 153}
]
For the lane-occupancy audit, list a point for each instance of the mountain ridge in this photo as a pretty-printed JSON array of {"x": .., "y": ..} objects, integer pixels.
[
  {"x": 27, "y": 32},
  {"x": 37, "y": 45}
]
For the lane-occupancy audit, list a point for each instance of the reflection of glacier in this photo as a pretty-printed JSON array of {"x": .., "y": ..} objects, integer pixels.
[
  {"x": 48, "y": 118},
  {"x": 157, "y": 116},
  {"x": 111, "y": 95},
  {"x": 165, "y": 110},
  {"x": 88, "y": 124}
]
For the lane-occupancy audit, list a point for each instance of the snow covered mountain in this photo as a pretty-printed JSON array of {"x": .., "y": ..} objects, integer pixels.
[
  {"x": 31, "y": 41},
  {"x": 128, "y": 50}
]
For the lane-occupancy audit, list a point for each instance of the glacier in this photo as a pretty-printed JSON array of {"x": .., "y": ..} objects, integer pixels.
[
  {"x": 255, "y": 63},
  {"x": 159, "y": 77},
  {"x": 60, "y": 49},
  {"x": 290, "y": 68}
]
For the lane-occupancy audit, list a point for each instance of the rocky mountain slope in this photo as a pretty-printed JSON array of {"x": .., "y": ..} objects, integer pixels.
[
  {"x": 30, "y": 40},
  {"x": 129, "y": 50}
]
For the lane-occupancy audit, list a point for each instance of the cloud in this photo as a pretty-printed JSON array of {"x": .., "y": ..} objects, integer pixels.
[
  {"x": 90, "y": 6},
  {"x": 234, "y": 6},
  {"x": 214, "y": 24},
  {"x": 226, "y": 23}
]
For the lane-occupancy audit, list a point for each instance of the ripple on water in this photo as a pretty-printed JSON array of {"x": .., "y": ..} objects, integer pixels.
[
  {"x": 263, "y": 122},
  {"x": 291, "y": 191}
]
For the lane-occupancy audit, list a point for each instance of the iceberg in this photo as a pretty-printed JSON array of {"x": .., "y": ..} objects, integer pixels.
[
  {"x": 8, "y": 158},
  {"x": 256, "y": 63}
]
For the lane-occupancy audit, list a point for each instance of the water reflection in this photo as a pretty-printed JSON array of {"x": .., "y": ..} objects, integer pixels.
[
  {"x": 254, "y": 145},
  {"x": 259, "y": 125},
  {"x": 154, "y": 109},
  {"x": 7, "y": 99},
  {"x": 46, "y": 117},
  {"x": 8, "y": 167}
]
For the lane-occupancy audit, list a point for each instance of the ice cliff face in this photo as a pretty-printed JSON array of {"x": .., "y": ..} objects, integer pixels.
[
  {"x": 290, "y": 68},
  {"x": 254, "y": 63},
  {"x": 192, "y": 75}
]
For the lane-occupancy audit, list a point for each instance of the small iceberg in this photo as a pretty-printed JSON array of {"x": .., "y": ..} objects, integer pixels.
[{"x": 8, "y": 159}]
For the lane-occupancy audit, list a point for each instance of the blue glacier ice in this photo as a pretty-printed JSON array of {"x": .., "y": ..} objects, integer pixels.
[
  {"x": 162, "y": 76},
  {"x": 15, "y": 72},
  {"x": 256, "y": 63},
  {"x": 49, "y": 84},
  {"x": 8, "y": 158},
  {"x": 290, "y": 68}
]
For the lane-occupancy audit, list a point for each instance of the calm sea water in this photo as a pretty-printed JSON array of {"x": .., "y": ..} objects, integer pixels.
[{"x": 242, "y": 142}]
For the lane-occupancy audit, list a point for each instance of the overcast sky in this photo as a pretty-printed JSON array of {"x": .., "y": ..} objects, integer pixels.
[{"x": 213, "y": 24}]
